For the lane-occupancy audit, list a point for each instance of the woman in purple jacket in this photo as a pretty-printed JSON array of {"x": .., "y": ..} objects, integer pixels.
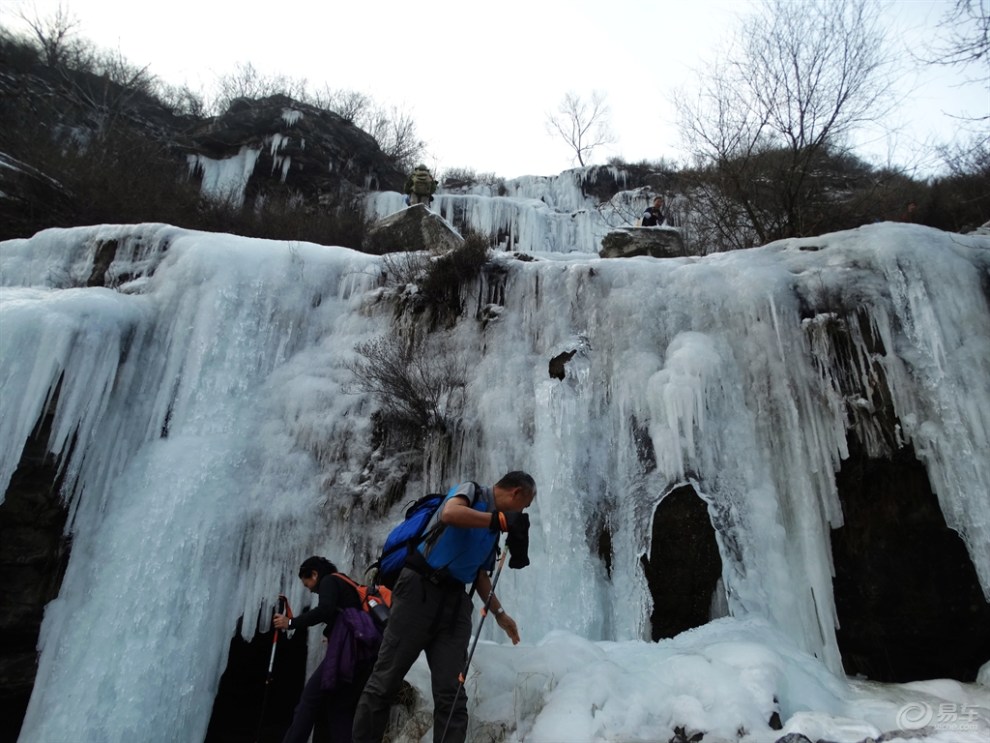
[{"x": 333, "y": 684}]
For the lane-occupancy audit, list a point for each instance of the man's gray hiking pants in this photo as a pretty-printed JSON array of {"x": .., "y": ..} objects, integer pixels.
[{"x": 428, "y": 617}]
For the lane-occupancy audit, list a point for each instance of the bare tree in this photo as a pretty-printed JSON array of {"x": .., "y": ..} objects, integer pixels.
[
  {"x": 583, "y": 125},
  {"x": 800, "y": 77},
  {"x": 417, "y": 387},
  {"x": 350, "y": 105},
  {"x": 964, "y": 37},
  {"x": 395, "y": 131},
  {"x": 964, "y": 42},
  {"x": 181, "y": 99},
  {"x": 111, "y": 89},
  {"x": 392, "y": 127},
  {"x": 100, "y": 82},
  {"x": 55, "y": 34},
  {"x": 248, "y": 82}
]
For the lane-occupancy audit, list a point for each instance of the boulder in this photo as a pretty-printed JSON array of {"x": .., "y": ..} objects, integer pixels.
[
  {"x": 658, "y": 242},
  {"x": 412, "y": 229}
]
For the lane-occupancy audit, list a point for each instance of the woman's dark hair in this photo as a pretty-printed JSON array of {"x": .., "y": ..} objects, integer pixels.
[{"x": 319, "y": 565}]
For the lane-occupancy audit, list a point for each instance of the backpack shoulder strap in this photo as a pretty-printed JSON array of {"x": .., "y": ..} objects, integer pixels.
[
  {"x": 476, "y": 494},
  {"x": 433, "y": 534},
  {"x": 472, "y": 501},
  {"x": 349, "y": 581}
]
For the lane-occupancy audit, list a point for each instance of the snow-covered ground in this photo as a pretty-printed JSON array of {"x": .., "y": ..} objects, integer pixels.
[{"x": 726, "y": 679}]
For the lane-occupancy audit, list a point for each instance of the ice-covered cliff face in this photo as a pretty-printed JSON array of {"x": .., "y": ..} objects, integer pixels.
[
  {"x": 553, "y": 214},
  {"x": 211, "y": 433}
]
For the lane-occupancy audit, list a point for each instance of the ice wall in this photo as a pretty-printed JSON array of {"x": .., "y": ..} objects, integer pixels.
[
  {"x": 189, "y": 498},
  {"x": 530, "y": 214},
  {"x": 225, "y": 180},
  {"x": 220, "y": 437}
]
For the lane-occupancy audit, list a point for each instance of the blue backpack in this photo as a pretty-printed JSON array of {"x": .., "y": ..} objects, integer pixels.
[{"x": 408, "y": 535}]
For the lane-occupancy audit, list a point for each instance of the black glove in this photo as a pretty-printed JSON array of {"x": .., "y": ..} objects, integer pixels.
[
  {"x": 505, "y": 520},
  {"x": 517, "y": 542}
]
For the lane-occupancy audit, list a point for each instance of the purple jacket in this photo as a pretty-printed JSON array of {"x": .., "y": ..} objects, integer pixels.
[{"x": 354, "y": 639}]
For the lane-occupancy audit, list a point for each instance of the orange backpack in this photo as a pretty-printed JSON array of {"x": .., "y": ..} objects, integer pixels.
[{"x": 376, "y": 600}]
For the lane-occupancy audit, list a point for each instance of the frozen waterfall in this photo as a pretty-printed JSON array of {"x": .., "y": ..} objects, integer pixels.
[{"x": 211, "y": 435}]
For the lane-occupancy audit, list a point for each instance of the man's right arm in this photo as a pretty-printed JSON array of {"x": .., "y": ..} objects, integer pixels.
[
  {"x": 457, "y": 511},
  {"x": 507, "y": 623}
]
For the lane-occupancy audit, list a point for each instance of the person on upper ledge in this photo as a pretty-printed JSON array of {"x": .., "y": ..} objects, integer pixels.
[
  {"x": 654, "y": 216},
  {"x": 910, "y": 213},
  {"x": 420, "y": 186}
]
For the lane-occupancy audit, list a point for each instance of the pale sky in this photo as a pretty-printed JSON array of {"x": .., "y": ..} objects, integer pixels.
[{"x": 480, "y": 78}]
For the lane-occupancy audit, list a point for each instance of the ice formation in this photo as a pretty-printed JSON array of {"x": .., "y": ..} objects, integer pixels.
[
  {"x": 211, "y": 436},
  {"x": 531, "y": 213},
  {"x": 225, "y": 180}
]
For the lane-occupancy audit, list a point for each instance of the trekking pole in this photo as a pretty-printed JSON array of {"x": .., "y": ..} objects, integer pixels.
[
  {"x": 462, "y": 678},
  {"x": 283, "y": 608}
]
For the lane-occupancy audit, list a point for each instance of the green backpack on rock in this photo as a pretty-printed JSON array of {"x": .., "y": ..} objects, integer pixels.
[{"x": 422, "y": 183}]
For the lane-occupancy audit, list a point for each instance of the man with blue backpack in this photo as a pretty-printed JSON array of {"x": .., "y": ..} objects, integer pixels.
[{"x": 431, "y": 609}]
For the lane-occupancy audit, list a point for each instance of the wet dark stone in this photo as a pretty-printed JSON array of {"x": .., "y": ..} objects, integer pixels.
[
  {"x": 909, "y": 603},
  {"x": 247, "y": 707},
  {"x": 684, "y": 565},
  {"x": 558, "y": 364},
  {"x": 33, "y": 557}
]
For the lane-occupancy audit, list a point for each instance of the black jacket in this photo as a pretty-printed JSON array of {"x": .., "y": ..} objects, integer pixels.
[
  {"x": 334, "y": 595},
  {"x": 653, "y": 217}
]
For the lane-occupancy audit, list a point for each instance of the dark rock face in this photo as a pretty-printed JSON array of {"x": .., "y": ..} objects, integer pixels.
[
  {"x": 658, "y": 242},
  {"x": 604, "y": 181},
  {"x": 412, "y": 229},
  {"x": 908, "y": 599},
  {"x": 684, "y": 565},
  {"x": 248, "y": 706},
  {"x": 558, "y": 364},
  {"x": 302, "y": 155},
  {"x": 309, "y": 150},
  {"x": 33, "y": 557},
  {"x": 27, "y": 194},
  {"x": 909, "y": 603}
]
